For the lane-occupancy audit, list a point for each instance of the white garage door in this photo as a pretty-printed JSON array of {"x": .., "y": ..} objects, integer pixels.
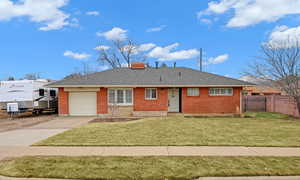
[{"x": 83, "y": 103}]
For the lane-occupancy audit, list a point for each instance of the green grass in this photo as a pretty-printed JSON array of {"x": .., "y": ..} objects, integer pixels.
[
  {"x": 265, "y": 129},
  {"x": 148, "y": 168},
  {"x": 268, "y": 115}
]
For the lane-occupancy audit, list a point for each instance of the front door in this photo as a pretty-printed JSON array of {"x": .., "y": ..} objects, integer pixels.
[{"x": 173, "y": 100}]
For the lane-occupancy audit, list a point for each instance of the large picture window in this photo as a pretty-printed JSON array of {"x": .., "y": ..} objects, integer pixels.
[
  {"x": 220, "y": 91},
  {"x": 120, "y": 96},
  {"x": 151, "y": 93}
]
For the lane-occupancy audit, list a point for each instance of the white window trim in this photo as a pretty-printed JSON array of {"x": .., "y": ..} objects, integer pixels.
[
  {"x": 187, "y": 92},
  {"x": 151, "y": 98},
  {"x": 220, "y": 94},
  {"x": 116, "y": 96}
]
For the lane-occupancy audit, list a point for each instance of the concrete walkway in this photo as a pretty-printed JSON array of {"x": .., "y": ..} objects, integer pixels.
[
  {"x": 202, "y": 178},
  {"x": 147, "y": 151}
]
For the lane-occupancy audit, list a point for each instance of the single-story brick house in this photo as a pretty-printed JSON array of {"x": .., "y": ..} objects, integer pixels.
[{"x": 147, "y": 91}]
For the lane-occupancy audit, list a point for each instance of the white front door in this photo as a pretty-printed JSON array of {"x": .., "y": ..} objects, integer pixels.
[
  {"x": 82, "y": 103},
  {"x": 173, "y": 100}
]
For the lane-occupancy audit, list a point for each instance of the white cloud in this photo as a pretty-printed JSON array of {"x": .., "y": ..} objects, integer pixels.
[
  {"x": 46, "y": 12},
  {"x": 93, "y": 13},
  {"x": 250, "y": 12},
  {"x": 217, "y": 60},
  {"x": 140, "y": 48},
  {"x": 102, "y": 47},
  {"x": 75, "y": 55},
  {"x": 146, "y": 47},
  {"x": 74, "y": 22},
  {"x": 115, "y": 34},
  {"x": 165, "y": 54},
  {"x": 156, "y": 29},
  {"x": 103, "y": 68},
  {"x": 206, "y": 21},
  {"x": 283, "y": 34}
]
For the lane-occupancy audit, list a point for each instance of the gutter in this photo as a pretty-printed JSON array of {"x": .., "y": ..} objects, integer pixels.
[{"x": 135, "y": 86}]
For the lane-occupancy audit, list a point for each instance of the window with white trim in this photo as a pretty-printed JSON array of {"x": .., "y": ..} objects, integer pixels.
[
  {"x": 193, "y": 92},
  {"x": 150, "y": 93},
  {"x": 120, "y": 96},
  {"x": 220, "y": 91}
]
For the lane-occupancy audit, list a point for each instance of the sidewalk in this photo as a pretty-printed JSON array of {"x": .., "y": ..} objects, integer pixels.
[
  {"x": 202, "y": 178},
  {"x": 154, "y": 151},
  {"x": 148, "y": 151}
]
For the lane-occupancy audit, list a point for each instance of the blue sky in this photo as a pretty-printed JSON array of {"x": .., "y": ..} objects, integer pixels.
[{"x": 54, "y": 37}]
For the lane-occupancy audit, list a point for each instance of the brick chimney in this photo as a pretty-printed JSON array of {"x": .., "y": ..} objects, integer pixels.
[{"x": 137, "y": 65}]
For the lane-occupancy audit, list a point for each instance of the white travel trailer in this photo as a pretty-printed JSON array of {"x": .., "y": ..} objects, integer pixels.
[{"x": 27, "y": 96}]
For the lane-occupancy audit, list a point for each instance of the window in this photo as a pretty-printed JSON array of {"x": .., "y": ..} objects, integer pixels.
[
  {"x": 111, "y": 96},
  {"x": 52, "y": 93},
  {"x": 128, "y": 96},
  {"x": 220, "y": 91},
  {"x": 151, "y": 93},
  {"x": 41, "y": 92},
  {"x": 193, "y": 92},
  {"x": 120, "y": 96}
]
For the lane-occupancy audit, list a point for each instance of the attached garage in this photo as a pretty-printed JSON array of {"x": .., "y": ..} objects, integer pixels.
[{"x": 83, "y": 103}]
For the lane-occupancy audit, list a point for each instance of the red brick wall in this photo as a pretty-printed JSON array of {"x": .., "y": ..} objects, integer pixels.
[
  {"x": 141, "y": 104},
  {"x": 102, "y": 104},
  {"x": 190, "y": 105},
  {"x": 63, "y": 102},
  {"x": 211, "y": 104}
]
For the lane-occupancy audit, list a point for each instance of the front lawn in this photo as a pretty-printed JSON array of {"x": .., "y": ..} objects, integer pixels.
[
  {"x": 263, "y": 129},
  {"x": 148, "y": 168}
]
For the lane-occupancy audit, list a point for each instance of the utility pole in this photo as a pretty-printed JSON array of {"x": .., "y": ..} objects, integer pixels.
[{"x": 200, "y": 59}]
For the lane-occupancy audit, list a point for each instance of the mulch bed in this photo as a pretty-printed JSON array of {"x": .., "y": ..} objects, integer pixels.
[{"x": 113, "y": 120}]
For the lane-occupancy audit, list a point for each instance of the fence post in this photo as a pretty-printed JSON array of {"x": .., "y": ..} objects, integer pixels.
[
  {"x": 265, "y": 103},
  {"x": 274, "y": 103},
  {"x": 246, "y": 101}
]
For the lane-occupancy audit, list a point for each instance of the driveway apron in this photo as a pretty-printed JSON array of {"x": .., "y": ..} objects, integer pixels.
[{"x": 30, "y": 135}]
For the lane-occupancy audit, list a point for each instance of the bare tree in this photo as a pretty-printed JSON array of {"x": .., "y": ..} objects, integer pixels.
[
  {"x": 72, "y": 76},
  {"x": 83, "y": 71},
  {"x": 86, "y": 69},
  {"x": 32, "y": 76},
  {"x": 121, "y": 54},
  {"x": 10, "y": 78},
  {"x": 279, "y": 66}
]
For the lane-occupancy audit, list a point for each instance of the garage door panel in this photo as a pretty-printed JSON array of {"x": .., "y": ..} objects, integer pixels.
[{"x": 83, "y": 103}]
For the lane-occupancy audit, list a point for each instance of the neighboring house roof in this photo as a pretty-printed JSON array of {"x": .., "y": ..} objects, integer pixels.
[
  {"x": 158, "y": 77},
  {"x": 262, "y": 89}
]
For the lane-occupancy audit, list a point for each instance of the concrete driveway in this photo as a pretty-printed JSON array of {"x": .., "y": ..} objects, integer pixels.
[{"x": 30, "y": 135}]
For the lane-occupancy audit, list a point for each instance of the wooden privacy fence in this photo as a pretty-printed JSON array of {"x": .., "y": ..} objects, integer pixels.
[
  {"x": 255, "y": 103},
  {"x": 282, "y": 104},
  {"x": 272, "y": 103}
]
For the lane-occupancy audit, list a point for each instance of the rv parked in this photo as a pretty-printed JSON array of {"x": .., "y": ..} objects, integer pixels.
[{"x": 27, "y": 96}]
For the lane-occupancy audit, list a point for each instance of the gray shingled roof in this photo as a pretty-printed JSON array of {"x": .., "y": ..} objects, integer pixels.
[{"x": 149, "y": 77}]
